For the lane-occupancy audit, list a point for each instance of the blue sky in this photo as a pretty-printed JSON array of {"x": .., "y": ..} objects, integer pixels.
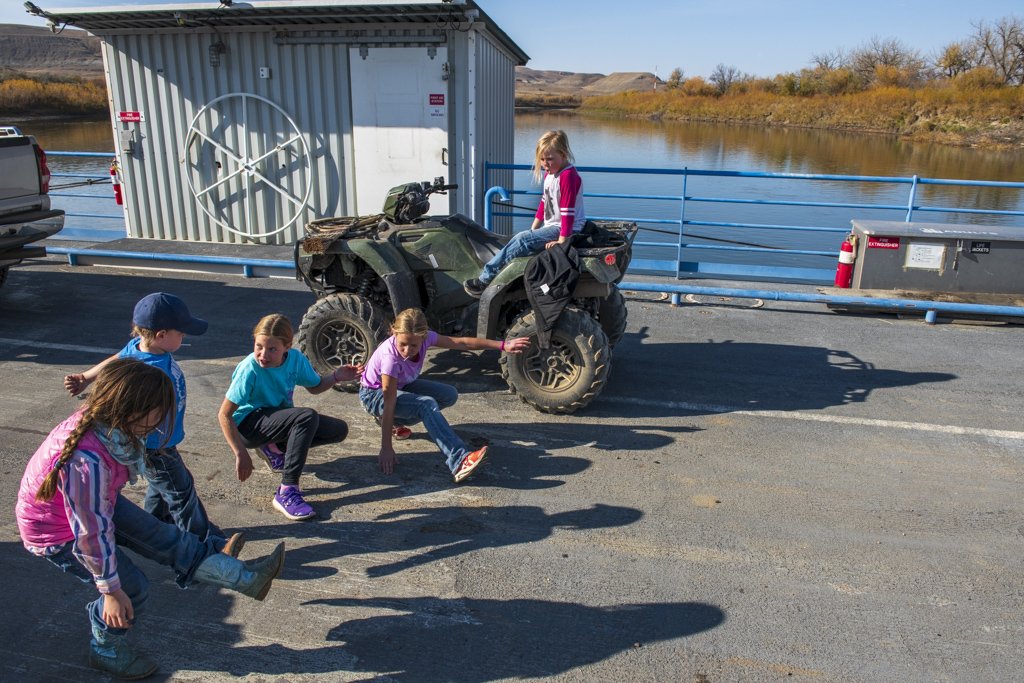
[{"x": 755, "y": 36}]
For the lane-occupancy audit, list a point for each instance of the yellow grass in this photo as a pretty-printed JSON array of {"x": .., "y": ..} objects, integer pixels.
[
  {"x": 943, "y": 113},
  {"x": 24, "y": 96}
]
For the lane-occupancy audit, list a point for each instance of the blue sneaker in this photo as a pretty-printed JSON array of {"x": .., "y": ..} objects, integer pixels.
[
  {"x": 273, "y": 456},
  {"x": 289, "y": 502}
]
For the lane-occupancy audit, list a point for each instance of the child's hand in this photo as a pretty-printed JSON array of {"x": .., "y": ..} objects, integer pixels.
[
  {"x": 347, "y": 373},
  {"x": 517, "y": 345},
  {"x": 243, "y": 465},
  {"x": 387, "y": 459},
  {"x": 76, "y": 383},
  {"x": 117, "y": 610}
]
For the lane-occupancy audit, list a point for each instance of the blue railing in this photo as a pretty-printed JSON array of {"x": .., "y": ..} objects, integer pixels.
[
  {"x": 735, "y": 257},
  {"x": 100, "y": 225}
]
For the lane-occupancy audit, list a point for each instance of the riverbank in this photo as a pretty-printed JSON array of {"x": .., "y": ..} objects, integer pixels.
[{"x": 985, "y": 118}]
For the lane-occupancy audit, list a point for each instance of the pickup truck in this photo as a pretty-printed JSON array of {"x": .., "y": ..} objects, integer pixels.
[{"x": 25, "y": 213}]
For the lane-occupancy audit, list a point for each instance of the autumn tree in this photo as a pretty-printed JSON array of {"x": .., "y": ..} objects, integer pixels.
[
  {"x": 723, "y": 77},
  {"x": 675, "y": 79},
  {"x": 1001, "y": 46},
  {"x": 955, "y": 59},
  {"x": 888, "y": 60}
]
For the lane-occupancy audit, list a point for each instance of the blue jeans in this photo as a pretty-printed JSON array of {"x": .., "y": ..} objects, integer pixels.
[
  {"x": 422, "y": 401},
  {"x": 523, "y": 243},
  {"x": 172, "y": 498},
  {"x": 139, "y": 531}
]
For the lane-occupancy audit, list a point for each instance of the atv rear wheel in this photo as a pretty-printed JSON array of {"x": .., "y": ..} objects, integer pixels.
[
  {"x": 569, "y": 373},
  {"x": 612, "y": 316},
  {"x": 341, "y": 329}
]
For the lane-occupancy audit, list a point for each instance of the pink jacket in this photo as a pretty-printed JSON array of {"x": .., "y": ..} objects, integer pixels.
[{"x": 92, "y": 480}]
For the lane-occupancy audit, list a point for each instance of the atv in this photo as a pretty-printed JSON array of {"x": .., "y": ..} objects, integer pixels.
[{"x": 365, "y": 270}]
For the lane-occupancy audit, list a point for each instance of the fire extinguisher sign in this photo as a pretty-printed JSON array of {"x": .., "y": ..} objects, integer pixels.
[
  {"x": 876, "y": 242},
  {"x": 131, "y": 117}
]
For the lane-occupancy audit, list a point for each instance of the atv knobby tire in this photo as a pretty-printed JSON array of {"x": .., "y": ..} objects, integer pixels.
[
  {"x": 569, "y": 373},
  {"x": 612, "y": 316},
  {"x": 341, "y": 329}
]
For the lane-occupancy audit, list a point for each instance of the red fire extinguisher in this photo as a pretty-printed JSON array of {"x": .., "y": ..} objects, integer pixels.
[
  {"x": 115, "y": 181},
  {"x": 847, "y": 255}
]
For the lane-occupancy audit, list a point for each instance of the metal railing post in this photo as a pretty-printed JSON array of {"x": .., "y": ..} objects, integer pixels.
[{"x": 913, "y": 197}]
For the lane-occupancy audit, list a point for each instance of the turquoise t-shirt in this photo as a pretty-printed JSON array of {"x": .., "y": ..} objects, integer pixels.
[
  {"x": 165, "y": 362},
  {"x": 253, "y": 387}
]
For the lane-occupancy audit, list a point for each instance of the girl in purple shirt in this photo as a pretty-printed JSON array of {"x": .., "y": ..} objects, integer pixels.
[{"x": 391, "y": 391}]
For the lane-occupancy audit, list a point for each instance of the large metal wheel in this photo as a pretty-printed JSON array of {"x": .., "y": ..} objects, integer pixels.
[
  {"x": 567, "y": 375},
  {"x": 341, "y": 329},
  {"x": 612, "y": 315},
  {"x": 244, "y": 176}
]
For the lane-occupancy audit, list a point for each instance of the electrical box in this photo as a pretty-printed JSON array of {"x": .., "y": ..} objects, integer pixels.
[{"x": 938, "y": 257}]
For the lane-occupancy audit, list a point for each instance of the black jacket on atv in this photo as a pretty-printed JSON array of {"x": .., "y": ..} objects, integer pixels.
[{"x": 550, "y": 279}]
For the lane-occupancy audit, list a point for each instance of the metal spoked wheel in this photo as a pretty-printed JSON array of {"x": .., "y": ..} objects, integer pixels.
[
  {"x": 569, "y": 373},
  {"x": 243, "y": 177},
  {"x": 341, "y": 329},
  {"x": 556, "y": 368}
]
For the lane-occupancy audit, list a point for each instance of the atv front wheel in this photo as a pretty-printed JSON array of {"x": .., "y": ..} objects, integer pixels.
[
  {"x": 341, "y": 329},
  {"x": 569, "y": 373},
  {"x": 612, "y": 316}
]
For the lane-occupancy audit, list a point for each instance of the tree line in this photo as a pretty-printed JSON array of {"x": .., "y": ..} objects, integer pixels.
[{"x": 992, "y": 56}]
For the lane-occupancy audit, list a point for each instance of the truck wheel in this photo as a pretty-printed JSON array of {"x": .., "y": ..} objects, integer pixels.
[
  {"x": 3, "y": 275},
  {"x": 612, "y": 316},
  {"x": 341, "y": 329},
  {"x": 569, "y": 373}
]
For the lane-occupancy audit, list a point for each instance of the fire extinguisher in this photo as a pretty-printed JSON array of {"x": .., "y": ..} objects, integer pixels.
[
  {"x": 847, "y": 255},
  {"x": 115, "y": 181}
]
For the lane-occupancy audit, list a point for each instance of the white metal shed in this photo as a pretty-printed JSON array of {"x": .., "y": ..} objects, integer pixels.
[{"x": 241, "y": 122}]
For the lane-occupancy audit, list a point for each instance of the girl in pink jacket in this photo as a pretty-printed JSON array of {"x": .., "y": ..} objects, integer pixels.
[{"x": 70, "y": 511}]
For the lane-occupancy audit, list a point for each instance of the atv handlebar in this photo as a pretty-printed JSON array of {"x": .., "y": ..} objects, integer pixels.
[{"x": 438, "y": 186}]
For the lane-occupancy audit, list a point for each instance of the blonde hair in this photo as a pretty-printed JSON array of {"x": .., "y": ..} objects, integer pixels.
[
  {"x": 145, "y": 333},
  {"x": 275, "y": 325},
  {"x": 125, "y": 392},
  {"x": 554, "y": 141},
  {"x": 410, "y": 321}
]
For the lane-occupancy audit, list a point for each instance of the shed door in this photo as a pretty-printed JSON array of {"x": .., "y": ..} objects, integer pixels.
[{"x": 399, "y": 121}]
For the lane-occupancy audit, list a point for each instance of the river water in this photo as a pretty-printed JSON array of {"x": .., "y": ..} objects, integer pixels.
[{"x": 716, "y": 147}]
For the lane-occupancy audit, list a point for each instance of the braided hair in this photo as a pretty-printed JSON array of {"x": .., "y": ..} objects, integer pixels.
[{"x": 124, "y": 394}]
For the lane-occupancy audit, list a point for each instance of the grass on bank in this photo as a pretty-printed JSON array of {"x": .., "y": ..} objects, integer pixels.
[
  {"x": 991, "y": 117},
  {"x": 23, "y": 96}
]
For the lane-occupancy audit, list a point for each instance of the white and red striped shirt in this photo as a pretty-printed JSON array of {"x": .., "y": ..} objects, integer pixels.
[{"x": 561, "y": 202}]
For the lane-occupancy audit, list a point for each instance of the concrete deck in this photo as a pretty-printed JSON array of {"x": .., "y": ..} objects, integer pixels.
[{"x": 760, "y": 494}]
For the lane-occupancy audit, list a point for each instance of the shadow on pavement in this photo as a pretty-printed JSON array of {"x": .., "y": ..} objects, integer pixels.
[{"x": 433, "y": 533}]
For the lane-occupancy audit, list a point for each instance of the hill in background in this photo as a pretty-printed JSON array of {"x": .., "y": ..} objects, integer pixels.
[{"x": 36, "y": 51}]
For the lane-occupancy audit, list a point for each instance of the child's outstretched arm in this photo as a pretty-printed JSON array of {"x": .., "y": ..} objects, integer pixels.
[
  {"x": 76, "y": 382},
  {"x": 387, "y": 459},
  {"x": 243, "y": 461},
  {"x": 346, "y": 373},
  {"x": 517, "y": 345}
]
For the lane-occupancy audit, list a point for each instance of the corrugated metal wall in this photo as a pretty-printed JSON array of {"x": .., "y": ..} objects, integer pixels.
[
  {"x": 495, "y": 139},
  {"x": 199, "y": 194},
  {"x": 169, "y": 78}
]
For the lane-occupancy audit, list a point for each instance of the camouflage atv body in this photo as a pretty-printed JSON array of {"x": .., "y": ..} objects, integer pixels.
[{"x": 365, "y": 270}]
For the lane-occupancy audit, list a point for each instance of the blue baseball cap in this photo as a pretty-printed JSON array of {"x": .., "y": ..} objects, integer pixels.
[{"x": 163, "y": 311}]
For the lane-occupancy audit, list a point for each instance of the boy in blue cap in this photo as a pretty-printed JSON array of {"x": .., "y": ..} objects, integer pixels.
[{"x": 160, "y": 323}]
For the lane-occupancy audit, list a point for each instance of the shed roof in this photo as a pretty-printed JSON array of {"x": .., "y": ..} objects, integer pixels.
[{"x": 454, "y": 14}]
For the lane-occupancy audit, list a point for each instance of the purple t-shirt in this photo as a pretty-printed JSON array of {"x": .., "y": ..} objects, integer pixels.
[{"x": 386, "y": 360}]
